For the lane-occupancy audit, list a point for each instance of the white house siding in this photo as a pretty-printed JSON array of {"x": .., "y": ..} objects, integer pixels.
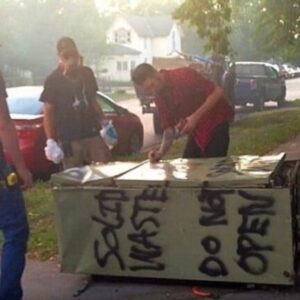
[
  {"x": 147, "y": 51},
  {"x": 161, "y": 47},
  {"x": 164, "y": 46},
  {"x": 137, "y": 42},
  {"x": 177, "y": 34},
  {"x": 111, "y": 64}
]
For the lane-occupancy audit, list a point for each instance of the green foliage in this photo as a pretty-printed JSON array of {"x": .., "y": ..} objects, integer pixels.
[
  {"x": 291, "y": 53},
  {"x": 32, "y": 28},
  {"x": 43, "y": 241},
  {"x": 242, "y": 41},
  {"x": 121, "y": 95},
  {"x": 249, "y": 29},
  {"x": 154, "y": 7},
  {"x": 146, "y": 8},
  {"x": 118, "y": 6},
  {"x": 264, "y": 131},
  {"x": 211, "y": 18},
  {"x": 259, "y": 133},
  {"x": 191, "y": 41},
  {"x": 280, "y": 22}
]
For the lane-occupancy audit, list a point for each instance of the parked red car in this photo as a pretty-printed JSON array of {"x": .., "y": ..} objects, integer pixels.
[{"x": 26, "y": 111}]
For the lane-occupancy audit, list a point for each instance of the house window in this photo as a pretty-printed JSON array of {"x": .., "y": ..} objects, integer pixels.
[
  {"x": 116, "y": 37},
  {"x": 119, "y": 66},
  {"x": 122, "y": 36},
  {"x": 122, "y": 66},
  {"x": 145, "y": 43},
  {"x": 132, "y": 64},
  {"x": 128, "y": 36}
]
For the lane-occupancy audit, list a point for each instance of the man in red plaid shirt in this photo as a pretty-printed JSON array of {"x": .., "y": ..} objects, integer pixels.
[{"x": 189, "y": 104}]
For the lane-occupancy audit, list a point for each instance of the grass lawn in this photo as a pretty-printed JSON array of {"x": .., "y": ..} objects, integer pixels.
[
  {"x": 257, "y": 134},
  {"x": 43, "y": 241},
  {"x": 118, "y": 96}
]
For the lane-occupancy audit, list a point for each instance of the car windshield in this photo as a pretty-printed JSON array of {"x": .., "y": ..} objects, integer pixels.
[
  {"x": 258, "y": 70},
  {"x": 24, "y": 104},
  {"x": 106, "y": 107}
]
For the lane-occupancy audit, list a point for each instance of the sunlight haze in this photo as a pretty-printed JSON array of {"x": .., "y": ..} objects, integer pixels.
[{"x": 104, "y": 4}]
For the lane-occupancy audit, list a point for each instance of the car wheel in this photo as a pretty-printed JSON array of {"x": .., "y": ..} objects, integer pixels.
[
  {"x": 260, "y": 103},
  {"x": 281, "y": 99},
  {"x": 281, "y": 102},
  {"x": 135, "y": 142},
  {"x": 157, "y": 123}
]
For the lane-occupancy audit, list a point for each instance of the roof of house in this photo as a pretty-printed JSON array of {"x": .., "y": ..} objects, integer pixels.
[
  {"x": 151, "y": 26},
  {"x": 117, "y": 49}
]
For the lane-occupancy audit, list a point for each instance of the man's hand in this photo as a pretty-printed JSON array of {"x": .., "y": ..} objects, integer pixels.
[
  {"x": 154, "y": 155},
  {"x": 26, "y": 177},
  {"x": 190, "y": 124}
]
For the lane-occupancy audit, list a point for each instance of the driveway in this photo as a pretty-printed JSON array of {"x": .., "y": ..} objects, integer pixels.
[{"x": 150, "y": 138}]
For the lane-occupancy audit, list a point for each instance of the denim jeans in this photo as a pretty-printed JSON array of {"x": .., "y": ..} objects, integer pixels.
[{"x": 13, "y": 224}]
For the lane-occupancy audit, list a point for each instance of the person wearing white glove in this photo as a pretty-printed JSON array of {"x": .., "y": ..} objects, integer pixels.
[
  {"x": 72, "y": 116},
  {"x": 53, "y": 152}
]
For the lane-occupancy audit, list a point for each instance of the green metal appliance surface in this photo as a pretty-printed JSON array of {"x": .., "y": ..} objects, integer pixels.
[{"x": 228, "y": 234}]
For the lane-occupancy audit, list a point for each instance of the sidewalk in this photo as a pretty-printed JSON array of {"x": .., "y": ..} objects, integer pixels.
[
  {"x": 43, "y": 281},
  {"x": 291, "y": 148}
]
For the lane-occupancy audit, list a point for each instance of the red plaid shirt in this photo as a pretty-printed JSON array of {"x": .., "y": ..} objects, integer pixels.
[{"x": 186, "y": 91}]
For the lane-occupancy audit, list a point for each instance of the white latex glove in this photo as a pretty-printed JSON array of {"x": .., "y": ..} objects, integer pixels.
[{"x": 53, "y": 152}]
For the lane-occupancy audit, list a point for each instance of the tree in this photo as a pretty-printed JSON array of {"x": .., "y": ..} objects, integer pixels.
[
  {"x": 33, "y": 27},
  {"x": 211, "y": 18},
  {"x": 243, "y": 43},
  {"x": 250, "y": 29},
  {"x": 145, "y": 8},
  {"x": 9, "y": 32},
  {"x": 156, "y": 7},
  {"x": 280, "y": 22}
]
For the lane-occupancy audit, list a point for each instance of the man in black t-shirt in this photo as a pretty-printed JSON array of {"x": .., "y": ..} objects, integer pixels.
[
  {"x": 72, "y": 117},
  {"x": 13, "y": 219}
]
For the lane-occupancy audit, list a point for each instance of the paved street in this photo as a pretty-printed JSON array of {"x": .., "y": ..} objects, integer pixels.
[
  {"x": 42, "y": 281},
  {"x": 293, "y": 89},
  {"x": 150, "y": 138}
]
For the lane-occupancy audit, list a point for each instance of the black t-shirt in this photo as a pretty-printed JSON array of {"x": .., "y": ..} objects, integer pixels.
[
  {"x": 3, "y": 96},
  {"x": 74, "y": 115}
]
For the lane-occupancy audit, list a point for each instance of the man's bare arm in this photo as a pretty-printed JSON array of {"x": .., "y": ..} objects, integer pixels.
[
  {"x": 210, "y": 103},
  {"x": 168, "y": 137},
  {"x": 49, "y": 121},
  {"x": 97, "y": 108},
  {"x": 9, "y": 139}
]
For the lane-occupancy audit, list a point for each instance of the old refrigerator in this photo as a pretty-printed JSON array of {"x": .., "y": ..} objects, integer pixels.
[{"x": 231, "y": 219}]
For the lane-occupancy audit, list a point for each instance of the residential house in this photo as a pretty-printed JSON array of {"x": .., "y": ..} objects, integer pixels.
[{"x": 136, "y": 39}]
